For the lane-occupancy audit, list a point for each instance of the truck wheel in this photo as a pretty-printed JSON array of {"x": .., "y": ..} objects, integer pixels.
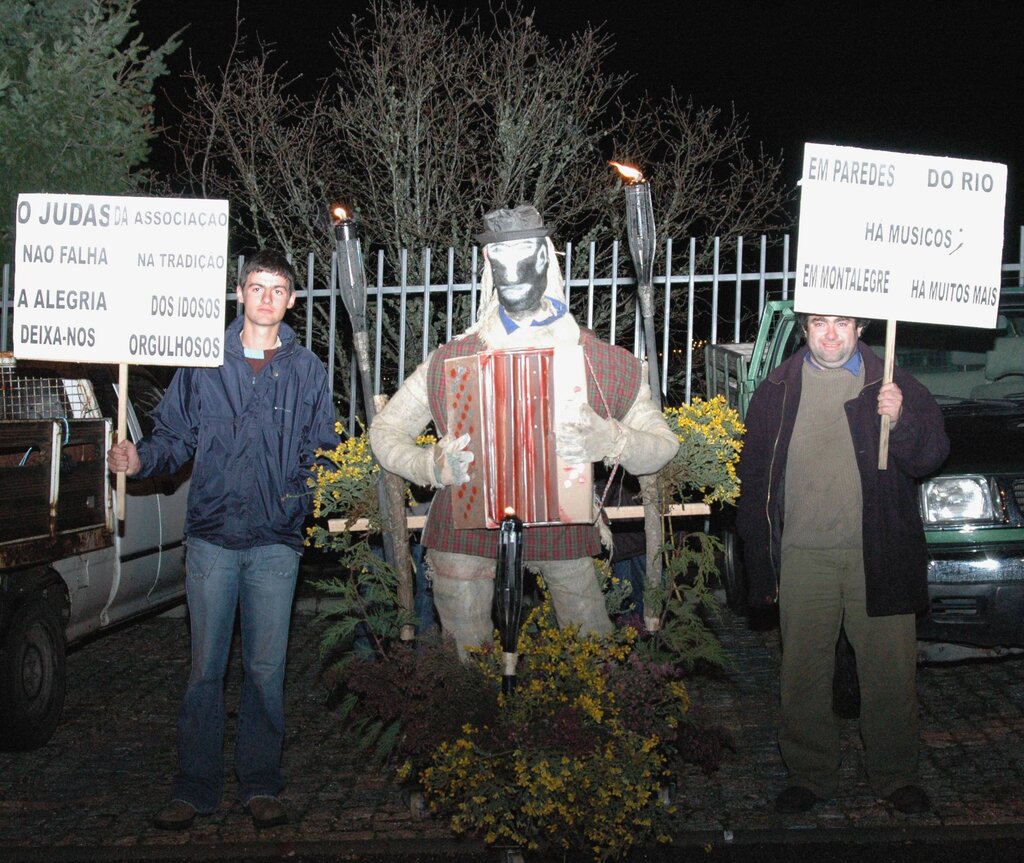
[
  {"x": 31, "y": 677},
  {"x": 733, "y": 573}
]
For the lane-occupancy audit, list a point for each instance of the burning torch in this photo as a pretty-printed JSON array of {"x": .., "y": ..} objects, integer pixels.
[
  {"x": 640, "y": 231},
  {"x": 391, "y": 488},
  {"x": 352, "y": 287},
  {"x": 508, "y": 595}
]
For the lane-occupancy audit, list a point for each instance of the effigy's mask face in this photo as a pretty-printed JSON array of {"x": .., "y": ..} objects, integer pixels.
[{"x": 520, "y": 270}]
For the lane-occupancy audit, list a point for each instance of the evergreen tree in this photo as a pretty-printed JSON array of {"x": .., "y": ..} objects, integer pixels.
[{"x": 76, "y": 100}]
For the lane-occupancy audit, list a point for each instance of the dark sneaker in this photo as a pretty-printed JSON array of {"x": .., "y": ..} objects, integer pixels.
[
  {"x": 266, "y": 812},
  {"x": 910, "y": 800},
  {"x": 176, "y": 815},
  {"x": 795, "y": 799}
]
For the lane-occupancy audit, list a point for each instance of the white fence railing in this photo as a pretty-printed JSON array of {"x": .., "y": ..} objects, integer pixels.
[{"x": 719, "y": 301}]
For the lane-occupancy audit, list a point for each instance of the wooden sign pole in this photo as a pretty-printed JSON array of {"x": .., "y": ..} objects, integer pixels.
[
  {"x": 122, "y": 432},
  {"x": 890, "y": 355}
]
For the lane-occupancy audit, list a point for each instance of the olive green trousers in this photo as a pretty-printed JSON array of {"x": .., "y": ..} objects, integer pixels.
[{"x": 819, "y": 591}]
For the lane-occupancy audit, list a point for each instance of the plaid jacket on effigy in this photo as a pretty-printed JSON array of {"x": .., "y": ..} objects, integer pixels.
[{"x": 615, "y": 371}]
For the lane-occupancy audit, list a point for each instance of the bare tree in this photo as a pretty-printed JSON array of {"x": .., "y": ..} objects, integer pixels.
[
  {"x": 428, "y": 121},
  {"x": 410, "y": 123},
  {"x": 707, "y": 183},
  {"x": 551, "y": 110},
  {"x": 248, "y": 138}
]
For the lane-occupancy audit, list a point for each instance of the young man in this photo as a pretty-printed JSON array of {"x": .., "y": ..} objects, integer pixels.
[
  {"x": 837, "y": 541},
  {"x": 522, "y": 306},
  {"x": 252, "y": 427}
]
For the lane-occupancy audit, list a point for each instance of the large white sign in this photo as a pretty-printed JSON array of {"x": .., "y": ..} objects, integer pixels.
[
  {"x": 897, "y": 236},
  {"x": 120, "y": 279}
]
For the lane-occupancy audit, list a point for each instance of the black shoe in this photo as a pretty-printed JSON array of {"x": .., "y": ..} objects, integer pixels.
[
  {"x": 266, "y": 812},
  {"x": 795, "y": 799},
  {"x": 176, "y": 815},
  {"x": 910, "y": 800}
]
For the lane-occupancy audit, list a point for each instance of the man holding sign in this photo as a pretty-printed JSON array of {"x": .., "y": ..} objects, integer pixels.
[
  {"x": 837, "y": 541},
  {"x": 253, "y": 427}
]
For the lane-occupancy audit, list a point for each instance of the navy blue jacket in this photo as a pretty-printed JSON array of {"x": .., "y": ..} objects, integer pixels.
[
  {"x": 253, "y": 438},
  {"x": 895, "y": 553}
]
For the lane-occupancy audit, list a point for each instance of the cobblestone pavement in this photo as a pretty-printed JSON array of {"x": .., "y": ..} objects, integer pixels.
[{"x": 93, "y": 788}]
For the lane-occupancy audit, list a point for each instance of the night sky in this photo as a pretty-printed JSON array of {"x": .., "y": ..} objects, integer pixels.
[{"x": 942, "y": 78}]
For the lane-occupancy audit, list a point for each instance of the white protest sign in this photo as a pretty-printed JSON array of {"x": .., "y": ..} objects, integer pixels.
[
  {"x": 120, "y": 279},
  {"x": 897, "y": 236}
]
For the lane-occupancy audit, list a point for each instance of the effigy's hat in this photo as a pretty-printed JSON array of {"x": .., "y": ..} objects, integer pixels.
[{"x": 522, "y": 223}]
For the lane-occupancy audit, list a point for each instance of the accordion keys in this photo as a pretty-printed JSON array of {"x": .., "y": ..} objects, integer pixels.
[{"x": 510, "y": 403}]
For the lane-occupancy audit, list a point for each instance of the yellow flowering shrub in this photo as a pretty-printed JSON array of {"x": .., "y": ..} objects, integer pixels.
[
  {"x": 710, "y": 439},
  {"x": 344, "y": 484},
  {"x": 574, "y": 758},
  {"x": 348, "y": 485},
  {"x": 576, "y": 755}
]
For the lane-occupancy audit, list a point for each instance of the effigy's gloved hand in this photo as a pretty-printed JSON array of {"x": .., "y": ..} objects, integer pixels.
[
  {"x": 590, "y": 438},
  {"x": 452, "y": 460}
]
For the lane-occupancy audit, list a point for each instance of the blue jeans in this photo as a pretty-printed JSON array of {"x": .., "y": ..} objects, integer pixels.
[
  {"x": 423, "y": 604},
  {"x": 633, "y": 570},
  {"x": 261, "y": 583}
]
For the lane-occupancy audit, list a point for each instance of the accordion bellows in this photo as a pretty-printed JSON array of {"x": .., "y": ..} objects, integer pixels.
[{"x": 510, "y": 403}]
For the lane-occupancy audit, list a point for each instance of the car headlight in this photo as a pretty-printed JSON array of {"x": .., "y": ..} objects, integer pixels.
[{"x": 958, "y": 500}]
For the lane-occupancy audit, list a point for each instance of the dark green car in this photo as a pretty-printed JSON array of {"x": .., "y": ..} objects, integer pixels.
[{"x": 973, "y": 509}]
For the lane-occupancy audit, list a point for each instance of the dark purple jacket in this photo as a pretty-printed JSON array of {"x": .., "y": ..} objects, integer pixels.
[{"x": 895, "y": 554}]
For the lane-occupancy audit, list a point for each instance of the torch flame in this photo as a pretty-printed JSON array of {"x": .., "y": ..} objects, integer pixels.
[
  {"x": 628, "y": 172},
  {"x": 338, "y": 213}
]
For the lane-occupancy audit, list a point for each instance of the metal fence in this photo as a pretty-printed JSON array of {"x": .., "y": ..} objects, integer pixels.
[{"x": 704, "y": 294}]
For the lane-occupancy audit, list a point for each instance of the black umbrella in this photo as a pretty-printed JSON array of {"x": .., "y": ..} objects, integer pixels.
[{"x": 508, "y": 595}]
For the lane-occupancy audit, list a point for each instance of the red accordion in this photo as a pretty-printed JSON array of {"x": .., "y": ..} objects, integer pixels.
[{"x": 510, "y": 403}]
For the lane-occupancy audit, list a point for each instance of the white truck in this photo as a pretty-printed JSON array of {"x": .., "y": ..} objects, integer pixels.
[{"x": 66, "y": 572}]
